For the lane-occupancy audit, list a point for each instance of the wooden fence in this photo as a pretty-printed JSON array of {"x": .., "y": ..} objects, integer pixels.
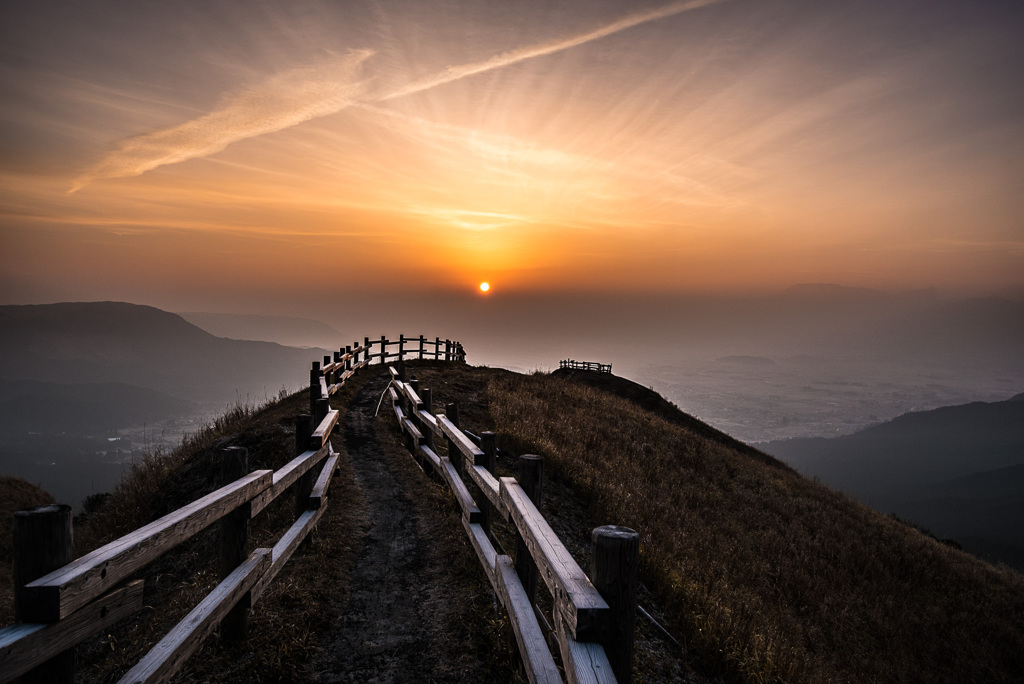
[
  {"x": 586, "y": 365},
  {"x": 593, "y": 617},
  {"x": 59, "y": 603}
]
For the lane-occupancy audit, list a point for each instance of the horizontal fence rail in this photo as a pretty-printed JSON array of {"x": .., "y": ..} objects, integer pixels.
[
  {"x": 60, "y": 603},
  {"x": 593, "y": 621},
  {"x": 586, "y": 365}
]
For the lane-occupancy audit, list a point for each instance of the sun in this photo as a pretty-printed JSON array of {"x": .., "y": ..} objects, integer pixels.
[{"x": 484, "y": 287}]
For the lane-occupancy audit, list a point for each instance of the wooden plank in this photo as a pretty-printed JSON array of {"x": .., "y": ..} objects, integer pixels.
[
  {"x": 393, "y": 371},
  {"x": 434, "y": 459},
  {"x": 489, "y": 485},
  {"x": 323, "y": 431},
  {"x": 287, "y": 475},
  {"x": 462, "y": 442},
  {"x": 580, "y": 604},
  {"x": 286, "y": 546},
  {"x": 399, "y": 413},
  {"x": 533, "y": 648},
  {"x": 585, "y": 662},
  {"x": 392, "y": 394},
  {"x": 412, "y": 396},
  {"x": 483, "y": 547},
  {"x": 185, "y": 638},
  {"x": 469, "y": 509},
  {"x": 323, "y": 386},
  {"x": 413, "y": 431},
  {"x": 319, "y": 495},
  {"x": 25, "y": 645},
  {"x": 60, "y": 593},
  {"x": 430, "y": 421}
]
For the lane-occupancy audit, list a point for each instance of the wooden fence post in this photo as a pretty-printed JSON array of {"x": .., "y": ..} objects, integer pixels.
[
  {"x": 454, "y": 455},
  {"x": 428, "y": 405},
  {"x": 234, "y": 542},
  {"x": 422, "y": 340},
  {"x": 304, "y": 485},
  {"x": 614, "y": 569},
  {"x": 42, "y": 543},
  {"x": 489, "y": 445},
  {"x": 401, "y": 346},
  {"x": 383, "y": 349},
  {"x": 348, "y": 357},
  {"x": 314, "y": 387},
  {"x": 366, "y": 349},
  {"x": 531, "y": 479},
  {"x": 437, "y": 348},
  {"x": 323, "y": 407}
]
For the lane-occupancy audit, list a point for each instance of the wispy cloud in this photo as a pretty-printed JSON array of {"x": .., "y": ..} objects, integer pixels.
[
  {"x": 279, "y": 102},
  {"x": 298, "y": 95},
  {"x": 511, "y": 57}
]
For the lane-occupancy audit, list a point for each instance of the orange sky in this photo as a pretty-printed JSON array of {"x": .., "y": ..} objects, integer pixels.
[{"x": 192, "y": 156}]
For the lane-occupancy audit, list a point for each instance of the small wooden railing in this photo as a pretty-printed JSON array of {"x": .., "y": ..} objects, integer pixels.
[
  {"x": 586, "y": 365},
  {"x": 593, "y": 617},
  {"x": 59, "y": 604}
]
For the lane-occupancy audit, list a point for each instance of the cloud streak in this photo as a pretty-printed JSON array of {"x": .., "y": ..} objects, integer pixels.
[
  {"x": 298, "y": 95},
  {"x": 279, "y": 102},
  {"x": 511, "y": 57}
]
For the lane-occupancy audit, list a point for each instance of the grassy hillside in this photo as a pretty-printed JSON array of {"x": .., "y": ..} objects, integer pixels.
[
  {"x": 763, "y": 575},
  {"x": 768, "y": 575}
]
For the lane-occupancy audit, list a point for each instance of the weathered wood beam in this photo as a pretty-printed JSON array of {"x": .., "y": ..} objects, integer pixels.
[
  {"x": 488, "y": 484},
  {"x": 483, "y": 547},
  {"x": 459, "y": 439},
  {"x": 582, "y": 607},
  {"x": 286, "y": 476},
  {"x": 432, "y": 457},
  {"x": 60, "y": 593},
  {"x": 430, "y": 421},
  {"x": 469, "y": 508},
  {"x": 533, "y": 648},
  {"x": 184, "y": 639},
  {"x": 318, "y": 497},
  {"x": 285, "y": 547},
  {"x": 585, "y": 662},
  {"x": 25, "y": 645},
  {"x": 323, "y": 431}
]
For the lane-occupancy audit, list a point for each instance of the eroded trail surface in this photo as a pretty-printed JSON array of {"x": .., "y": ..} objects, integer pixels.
[{"x": 408, "y": 612}]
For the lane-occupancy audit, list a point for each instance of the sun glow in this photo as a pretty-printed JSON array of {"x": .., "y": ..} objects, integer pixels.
[{"x": 484, "y": 287}]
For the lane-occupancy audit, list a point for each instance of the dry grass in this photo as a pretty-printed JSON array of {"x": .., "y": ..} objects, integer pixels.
[{"x": 768, "y": 576}]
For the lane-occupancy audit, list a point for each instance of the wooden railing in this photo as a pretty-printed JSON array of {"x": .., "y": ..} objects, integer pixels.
[
  {"x": 586, "y": 365},
  {"x": 59, "y": 604},
  {"x": 593, "y": 617}
]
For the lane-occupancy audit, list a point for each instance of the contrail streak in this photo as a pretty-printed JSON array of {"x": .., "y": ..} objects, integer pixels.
[
  {"x": 522, "y": 54},
  {"x": 293, "y": 97},
  {"x": 279, "y": 102}
]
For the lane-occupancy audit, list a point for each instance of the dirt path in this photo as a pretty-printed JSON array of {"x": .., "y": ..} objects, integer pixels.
[{"x": 415, "y": 602}]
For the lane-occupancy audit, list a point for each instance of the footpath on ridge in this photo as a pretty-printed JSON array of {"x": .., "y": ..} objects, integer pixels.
[{"x": 414, "y": 596}]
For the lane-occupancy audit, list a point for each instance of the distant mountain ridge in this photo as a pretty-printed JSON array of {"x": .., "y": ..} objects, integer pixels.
[
  {"x": 104, "y": 342},
  {"x": 287, "y": 330},
  {"x": 957, "y": 471}
]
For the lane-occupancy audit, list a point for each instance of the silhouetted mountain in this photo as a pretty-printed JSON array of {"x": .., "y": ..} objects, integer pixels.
[
  {"x": 114, "y": 342},
  {"x": 86, "y": 408},
  {"x": 286, "y": 330},
  {"x": 957, "y": 471}
]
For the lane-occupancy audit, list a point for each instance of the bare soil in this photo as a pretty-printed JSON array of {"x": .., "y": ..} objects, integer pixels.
[{"x": 417, "y": 607}]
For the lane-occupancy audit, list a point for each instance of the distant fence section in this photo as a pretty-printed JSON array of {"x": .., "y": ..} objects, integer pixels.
[
  {"x": 586, "y": 365},
  {"x": 592, "y": 616},
  {"x": 59, "y": 602}
]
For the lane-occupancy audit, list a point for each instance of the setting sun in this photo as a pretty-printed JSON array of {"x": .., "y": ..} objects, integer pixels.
[{"x": 484, "y": 287}]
